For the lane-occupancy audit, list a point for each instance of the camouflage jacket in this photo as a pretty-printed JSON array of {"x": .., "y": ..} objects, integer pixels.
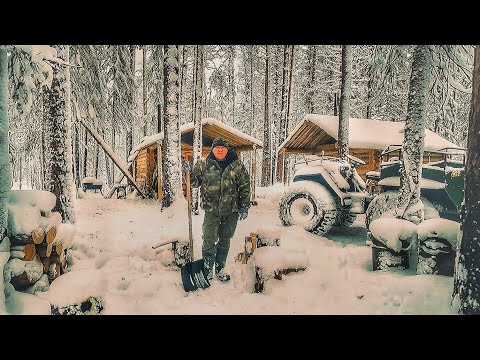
[{"x": 226, "y": 192}]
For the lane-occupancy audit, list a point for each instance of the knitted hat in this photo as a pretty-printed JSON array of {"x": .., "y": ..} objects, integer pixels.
[{"x": 219, "y": 141}]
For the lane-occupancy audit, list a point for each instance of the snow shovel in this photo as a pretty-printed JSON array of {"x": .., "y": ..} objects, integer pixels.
[{"x": 193, "y": 272}]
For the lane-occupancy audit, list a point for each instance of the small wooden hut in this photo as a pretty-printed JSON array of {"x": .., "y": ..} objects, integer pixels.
[
  {"x": 367, "y": 139},
  {"x": 145, "y": 154}
]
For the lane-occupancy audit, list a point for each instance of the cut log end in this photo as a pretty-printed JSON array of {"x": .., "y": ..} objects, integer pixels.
[
  {"x": 54, "y": 271},
  {"x": 30, "y": 252},
  {"x": 51, "y": 233},
  {"x": 38, "y": 235}
]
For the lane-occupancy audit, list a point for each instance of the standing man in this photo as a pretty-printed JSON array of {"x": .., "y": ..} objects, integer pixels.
[{"x": 225, "y": 196}]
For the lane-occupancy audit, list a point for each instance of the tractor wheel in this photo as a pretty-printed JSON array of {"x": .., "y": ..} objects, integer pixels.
[
  {"x": 344, "y": 218},
  {"x": 309, "y": 205}
]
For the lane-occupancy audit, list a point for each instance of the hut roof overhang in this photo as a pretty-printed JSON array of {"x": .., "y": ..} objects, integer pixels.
[
  {"x": 317, "y": 130},
  {"x": 211, "y": 128}
]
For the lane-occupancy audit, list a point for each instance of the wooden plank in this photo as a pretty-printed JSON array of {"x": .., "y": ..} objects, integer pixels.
[{"x": 111, "y": 154}]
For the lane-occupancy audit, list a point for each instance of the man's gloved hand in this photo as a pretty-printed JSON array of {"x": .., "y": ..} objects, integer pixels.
[{"x": 243, "y": 213}]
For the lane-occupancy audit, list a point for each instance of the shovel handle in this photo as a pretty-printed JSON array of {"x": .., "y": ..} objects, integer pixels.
[{"x": 189, "y": 203}]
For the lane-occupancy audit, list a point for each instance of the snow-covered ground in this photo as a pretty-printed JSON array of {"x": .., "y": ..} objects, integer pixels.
[{"x": 113, "y": 259}]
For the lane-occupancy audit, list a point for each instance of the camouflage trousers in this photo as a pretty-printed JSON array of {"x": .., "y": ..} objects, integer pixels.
[{"x": 217, "y": 227}]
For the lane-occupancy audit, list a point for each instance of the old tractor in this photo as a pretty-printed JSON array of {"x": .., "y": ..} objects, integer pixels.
[
  {"x": 441, "y": 185},
  {"x": 327, "y": 191}
]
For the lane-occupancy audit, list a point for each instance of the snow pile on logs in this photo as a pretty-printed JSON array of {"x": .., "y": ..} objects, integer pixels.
[{"x": 38, "y": 241}]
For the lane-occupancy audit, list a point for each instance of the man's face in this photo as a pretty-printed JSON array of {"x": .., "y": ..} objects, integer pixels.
[{"x": 220, "y": 152}]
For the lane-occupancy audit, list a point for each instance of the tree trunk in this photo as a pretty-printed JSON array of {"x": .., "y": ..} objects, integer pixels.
[
  {"x": 197, "y": 134},
  {"x": 414, "y": 133},
  {"x": 58, "y": 137},
  {"x": 346, "y": 93},
  {"x": 267, "y": 133},
  {"x": 77, "y": 157},
  {"x": 158, "y": 51},
  {"x": 172, "y": 186},
  {"x": 252, "y": 103},
  {"x": 130, "y": 103},
  {"x": 183, "y": 77},
  {"x": 231, "y": 84},
  {"x": 96, "y": 152},
  {"x": 282, "y": 133},
  {"x": 467, "y": 273},
  {"x": 85, "y": 154},
  {"x": 144, "y": 90},
  {"x": 194, "y": 82},
  {"x": 311, "y": 86},
  {"x": 289, "y": 108},
  {"x": 5, "y": 179}
]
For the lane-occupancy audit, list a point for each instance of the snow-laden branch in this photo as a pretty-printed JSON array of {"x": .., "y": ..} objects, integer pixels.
[{"x": 45, "y": 57}]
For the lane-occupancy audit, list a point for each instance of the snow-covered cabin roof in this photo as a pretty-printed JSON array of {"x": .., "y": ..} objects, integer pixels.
[
  {"x": 211, "y": 128},
  {"x": 316, "y": 130}
]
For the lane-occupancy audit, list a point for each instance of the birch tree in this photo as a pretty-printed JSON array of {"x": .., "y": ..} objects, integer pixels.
[
  {"x": 4, "y": 159},
  {"x": 346, "y": 93},
  {"x": 466, "y": 288},
  {"x": 408, "y": 202},
  {"x": 172, "y": 185},
  {"x": 58, "y": 151}
]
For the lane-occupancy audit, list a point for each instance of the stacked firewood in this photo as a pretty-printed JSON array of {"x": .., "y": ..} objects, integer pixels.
[
  {"x": 38, "y": 240},
  {"x": 265, "y": 259}
]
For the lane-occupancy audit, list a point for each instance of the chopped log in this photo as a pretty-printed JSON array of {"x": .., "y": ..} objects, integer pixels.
[
  {"x": 46, "y": 264},
  {"x": 23, "y": 274},
  {"x": 44, "y": 250},
  {"x": 59, "y": 249},
  {"x": 36, "y": 237},
  {"x": 54, "y": 271},
  {"x": 250, "y": 243},
  {"x": 25, "y": 252},
  {"x": 261, "y": 278},
  {"x": 181, "y": 253},
  {"x": 60, "y": 260},
  {"x": 51, "y": 231},
  {"x": 90, "y": 306}
]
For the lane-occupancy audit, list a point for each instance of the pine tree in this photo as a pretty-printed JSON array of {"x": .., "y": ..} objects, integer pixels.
[
  {"x": 58, "y": 151},
  {"x": 414, "y": 133},
  {"x": 5, "y": 180},
  {"x": 467, "y": 272},
  {"x": 346, "y": 93},
  {"x": 172, "y": 186}
]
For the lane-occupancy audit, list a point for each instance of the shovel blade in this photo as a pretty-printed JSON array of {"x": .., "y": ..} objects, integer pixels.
[{"x": 194, "y": 276}]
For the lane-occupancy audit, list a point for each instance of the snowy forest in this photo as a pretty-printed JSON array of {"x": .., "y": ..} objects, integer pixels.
[{"x": 70, "y": 113}]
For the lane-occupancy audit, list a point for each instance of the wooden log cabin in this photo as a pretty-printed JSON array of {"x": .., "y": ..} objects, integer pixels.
[
  {"x": 367, "y": 139},
  {"x": 145, "y": 154}
]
